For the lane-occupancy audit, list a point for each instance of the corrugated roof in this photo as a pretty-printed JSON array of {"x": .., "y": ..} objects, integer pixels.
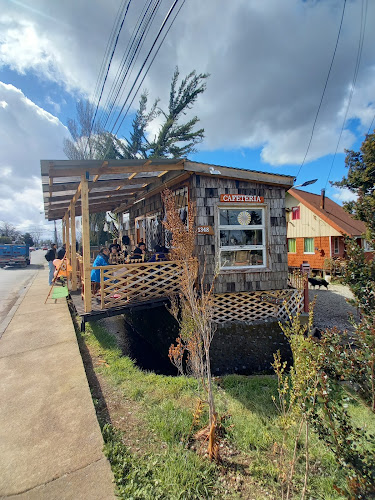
[{"x": 332, "y": 213}]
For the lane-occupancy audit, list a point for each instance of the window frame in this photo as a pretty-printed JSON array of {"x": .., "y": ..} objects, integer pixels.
[
  {"x": 295, "y": 245},
  {"x": 304, "y": 246},
  {"x": 232, "y": 248},
  {"x": 336, "y": 245},
  {"x": 296, "y": 213}
]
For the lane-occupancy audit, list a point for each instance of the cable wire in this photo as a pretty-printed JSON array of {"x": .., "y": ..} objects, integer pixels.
[
  {"x": 324, "y": 90},
  {"x": 355, "y": 76}
]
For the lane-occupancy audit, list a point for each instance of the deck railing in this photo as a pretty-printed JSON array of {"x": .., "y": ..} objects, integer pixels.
[{"x": 125, "y": 283}]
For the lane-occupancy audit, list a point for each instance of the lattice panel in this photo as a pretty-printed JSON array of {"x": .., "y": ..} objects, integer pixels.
[
  {"x": 252, "y": 306},
  {"x": 294, "y": 304},
  {"x": 140, "y": 282}
]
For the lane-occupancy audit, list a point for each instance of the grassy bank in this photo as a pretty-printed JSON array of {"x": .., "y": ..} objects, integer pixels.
[{"x": 150, "y": 442}]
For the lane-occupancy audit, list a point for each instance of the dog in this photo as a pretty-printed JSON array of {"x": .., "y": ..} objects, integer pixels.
[{"x": 318, "y": 282}]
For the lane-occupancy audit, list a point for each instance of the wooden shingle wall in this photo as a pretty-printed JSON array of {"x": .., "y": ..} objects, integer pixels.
[
  {"x": 204, "y": 194},
  {"x": 205, "y": 191}
]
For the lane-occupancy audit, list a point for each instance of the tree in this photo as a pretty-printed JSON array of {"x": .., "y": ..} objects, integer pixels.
[
  {"x": 173, "y": 140},
  {"x": 8, "y": 231},
  {"x": 361, "y": 181},
  {"x": 27, "y": 238}
]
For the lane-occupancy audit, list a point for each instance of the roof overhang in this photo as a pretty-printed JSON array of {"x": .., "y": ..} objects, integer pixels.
[{"x": 116, "y": 185}]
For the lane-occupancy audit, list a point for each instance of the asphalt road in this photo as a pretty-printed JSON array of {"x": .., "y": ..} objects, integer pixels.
[{"x": 13, "y": 282}]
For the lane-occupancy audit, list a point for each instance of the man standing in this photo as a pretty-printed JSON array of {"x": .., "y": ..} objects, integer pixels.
[
  {"x": 61, "y": 252},
  {"x": 50, "y": 257}
]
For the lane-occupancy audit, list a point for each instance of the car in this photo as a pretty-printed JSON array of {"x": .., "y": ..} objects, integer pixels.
[
  {"x": 32, "y": 249},
  {"x": 45, "y": 248}
]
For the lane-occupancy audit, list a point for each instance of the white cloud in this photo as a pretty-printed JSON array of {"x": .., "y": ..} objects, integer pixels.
[
  {"x": 342, "y": 195},
  {"x": 268, "y": 63},
  {"x": 27, "y": 134}
]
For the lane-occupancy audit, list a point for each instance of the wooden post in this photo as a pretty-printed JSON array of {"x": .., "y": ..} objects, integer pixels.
[
  {"x": 63, "y": 230},
  {"x": 86, "y": 243},
  {"x": 67, "y": 224},
  {"x": 73, "y": 253}
]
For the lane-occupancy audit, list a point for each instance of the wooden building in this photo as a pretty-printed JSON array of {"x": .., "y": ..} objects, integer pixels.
[
  {"x": 239, "y": 215},
  {"x": 316, "y": 229}
]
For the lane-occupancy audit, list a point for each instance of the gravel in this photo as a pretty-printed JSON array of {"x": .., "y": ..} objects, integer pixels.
[{"x": 331, "y": 308}]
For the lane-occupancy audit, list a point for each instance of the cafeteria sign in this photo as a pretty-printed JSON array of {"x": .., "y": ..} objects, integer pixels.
[{"x": 241, "y": 198}]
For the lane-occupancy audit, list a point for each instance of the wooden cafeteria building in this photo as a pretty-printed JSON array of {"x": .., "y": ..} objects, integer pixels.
[{"x": 241, "y": 231}]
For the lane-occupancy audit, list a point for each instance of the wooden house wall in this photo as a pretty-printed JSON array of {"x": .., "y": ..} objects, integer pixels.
[
  {"x": 309, "y": 225},
  {"x": 205, "y": 192},
  {"x": 204, "y": 195}
]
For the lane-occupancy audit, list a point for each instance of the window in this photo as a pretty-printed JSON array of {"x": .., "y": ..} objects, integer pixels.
[
  {"x": 292, "y": 245},
  {"x": 295, "y": 213},
  {"x": 308, "y": 245},
  {"x": 367, "y": 247},
  {"x": 336, "y": 244},
  {"x": 242, "y": 237}
]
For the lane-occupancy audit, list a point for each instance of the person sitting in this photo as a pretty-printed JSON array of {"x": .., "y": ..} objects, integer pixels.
[
  {"x": 116, "y": 245},
  {"x": 158, "y": 255},
  {"x": 113, "y": 254},
  {"x": 140, "y": 252},
  {"x": 101, "y": 260}
]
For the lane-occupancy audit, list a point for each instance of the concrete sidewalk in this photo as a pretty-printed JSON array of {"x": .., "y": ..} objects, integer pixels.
[{"x": 50, "y": 440}]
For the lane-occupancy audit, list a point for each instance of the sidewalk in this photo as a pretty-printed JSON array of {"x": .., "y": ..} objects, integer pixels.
[{"x": 50, "y": 440}]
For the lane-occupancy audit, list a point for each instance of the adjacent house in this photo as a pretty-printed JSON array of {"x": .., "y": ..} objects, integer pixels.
[{"x": 316, "y": 229}]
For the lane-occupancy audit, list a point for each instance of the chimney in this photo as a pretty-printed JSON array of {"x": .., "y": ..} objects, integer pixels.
[{"x": 322, "y": 199}]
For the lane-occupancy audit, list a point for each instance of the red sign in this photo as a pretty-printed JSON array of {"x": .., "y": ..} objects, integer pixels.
[{"x": 241, "y": 198}]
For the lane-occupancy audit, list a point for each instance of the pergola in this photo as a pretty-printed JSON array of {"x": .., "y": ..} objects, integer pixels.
[{"x": 74, "y": 188}]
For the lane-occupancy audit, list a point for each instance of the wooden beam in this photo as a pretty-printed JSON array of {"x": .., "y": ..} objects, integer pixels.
[
  {"x": 73, "y": 186},
  {"x": 86, "y": 244},
  {"x": 73, "y": 172},
  {"x": 73, "y": 252},
  {"x": 156, "y": 188},
  {"x": 104, "y": 164}
]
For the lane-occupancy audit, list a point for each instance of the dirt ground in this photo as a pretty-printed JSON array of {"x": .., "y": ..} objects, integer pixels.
[{"x": 331, "y": 308}]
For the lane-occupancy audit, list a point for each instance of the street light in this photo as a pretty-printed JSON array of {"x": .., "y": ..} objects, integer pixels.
[{"x": 306, "y": 183}]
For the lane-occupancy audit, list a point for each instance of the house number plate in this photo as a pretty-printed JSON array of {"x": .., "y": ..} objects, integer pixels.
[{"x": 205, "y": 230}]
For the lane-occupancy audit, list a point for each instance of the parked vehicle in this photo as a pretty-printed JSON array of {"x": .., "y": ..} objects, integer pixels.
[{"x": 14, "y": 255}]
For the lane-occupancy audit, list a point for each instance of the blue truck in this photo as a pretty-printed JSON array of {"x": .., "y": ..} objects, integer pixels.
[{"x": 14, "y": 255}]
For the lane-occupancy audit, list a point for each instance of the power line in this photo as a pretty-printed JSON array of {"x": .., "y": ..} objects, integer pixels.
[
  {"x": 145, "y": 61},
  {"x": 132, "y": 55},
  {"x": 152, "y": 60},
  {"x": 324, "y": 90},
  {"x": 109, "y": 63},
  {"x": 355, "y": 76}
]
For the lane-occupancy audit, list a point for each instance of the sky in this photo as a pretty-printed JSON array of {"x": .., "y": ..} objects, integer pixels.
[{"x": 268, "y": 60}]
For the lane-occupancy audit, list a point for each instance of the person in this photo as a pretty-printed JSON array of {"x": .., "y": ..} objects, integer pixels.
[
  {"x": 50, "y": 257},
  {"x": 116, "y": 245},
  {"x": 158, "y": 255},
  {"x": 113, "y": 254},
  {"x": 101, "y": 260},
  {"x": 140, "y": 252},
  {"x": 61, "y": 252}
]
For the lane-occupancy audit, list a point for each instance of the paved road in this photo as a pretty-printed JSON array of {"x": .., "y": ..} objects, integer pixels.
[{"x": 13, "y": 283}]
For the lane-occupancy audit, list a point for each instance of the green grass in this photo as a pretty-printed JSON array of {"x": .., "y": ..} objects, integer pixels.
[{"x": 168, "y": 404}]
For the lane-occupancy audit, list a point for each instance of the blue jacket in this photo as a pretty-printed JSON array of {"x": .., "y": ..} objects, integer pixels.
[{"x": 101, "y": 260}]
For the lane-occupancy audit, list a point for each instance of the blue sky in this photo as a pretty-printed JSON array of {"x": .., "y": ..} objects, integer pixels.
[{"x": 268, "y": 63}]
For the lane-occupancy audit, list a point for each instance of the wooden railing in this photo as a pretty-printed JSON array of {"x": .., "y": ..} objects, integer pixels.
[{"x": 127, "y": 283}]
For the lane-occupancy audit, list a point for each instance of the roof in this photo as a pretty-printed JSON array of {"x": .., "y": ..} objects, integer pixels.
[
  {"x": 332, "y": 213},
  {"x": 115, "y": 185}
]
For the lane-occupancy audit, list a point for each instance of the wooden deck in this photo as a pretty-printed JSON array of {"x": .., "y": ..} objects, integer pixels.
[{"x": 98, "y": 313}]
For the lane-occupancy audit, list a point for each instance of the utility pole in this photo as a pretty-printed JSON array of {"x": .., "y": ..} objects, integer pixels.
[{"x": 55, "y": 232}]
